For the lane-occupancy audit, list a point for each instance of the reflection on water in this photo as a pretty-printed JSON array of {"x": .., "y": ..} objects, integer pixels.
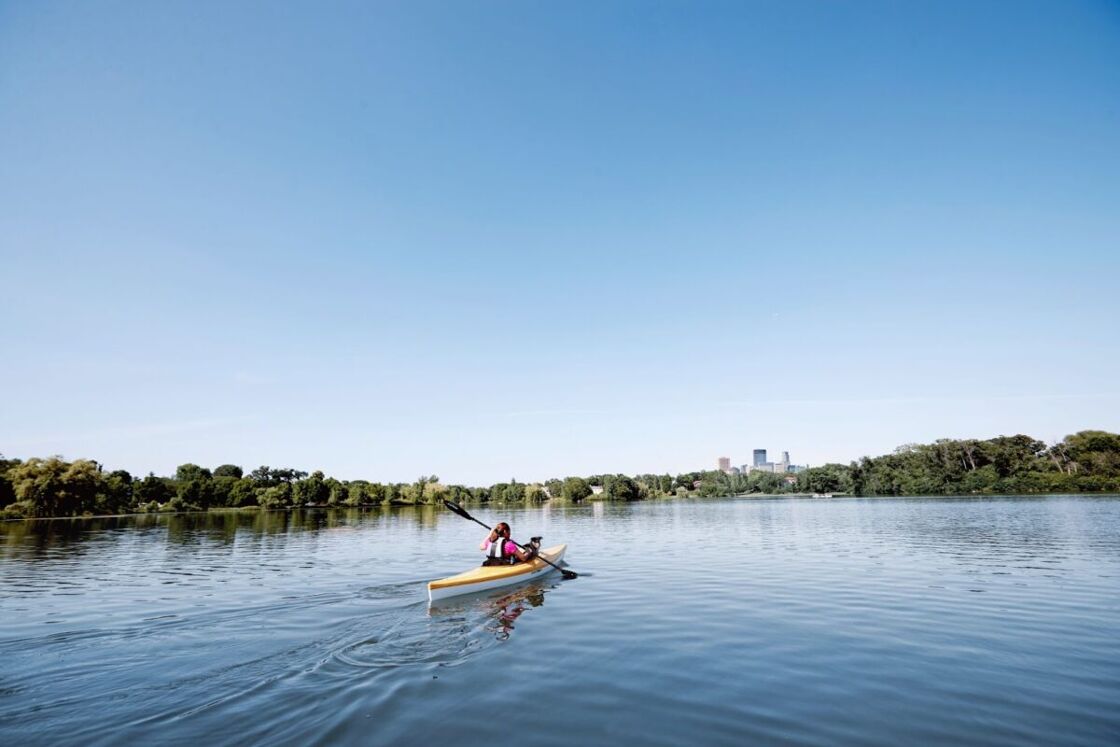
[
  {"x": 509, "y": 608},
  {"x": 502, "y": 609},
  {"x": 35, "y": 537}
]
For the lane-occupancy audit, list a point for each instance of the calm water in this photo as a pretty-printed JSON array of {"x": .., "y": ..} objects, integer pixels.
[{"x": 933, "y": 621}]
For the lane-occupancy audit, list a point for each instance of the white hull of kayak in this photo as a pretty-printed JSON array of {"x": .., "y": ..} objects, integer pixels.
[{"x": 494, "y": 577}]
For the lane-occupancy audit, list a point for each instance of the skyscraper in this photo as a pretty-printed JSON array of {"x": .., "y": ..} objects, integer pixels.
[
  {"x": 725, "y": 464},
  {"x": 759, "y": 457}
]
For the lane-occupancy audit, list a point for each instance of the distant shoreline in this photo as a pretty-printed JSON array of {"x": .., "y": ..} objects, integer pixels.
[
  {"x": 1087, "y": 462},
  {"x": 382, "y": 507}
]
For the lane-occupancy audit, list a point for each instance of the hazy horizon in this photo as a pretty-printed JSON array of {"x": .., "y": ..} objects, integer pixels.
[{"x": 506, "y": 240}]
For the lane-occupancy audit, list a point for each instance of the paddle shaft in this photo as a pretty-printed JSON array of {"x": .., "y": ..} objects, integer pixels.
[{"x": 456, "y": 508}]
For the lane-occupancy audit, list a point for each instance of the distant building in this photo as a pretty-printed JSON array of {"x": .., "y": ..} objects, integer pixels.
[
  {"x": 596, "y": 489},
  {"x": 761, "y": 465}
]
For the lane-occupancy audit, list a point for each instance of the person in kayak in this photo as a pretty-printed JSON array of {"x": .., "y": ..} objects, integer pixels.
[{"x": 501, "y": 550}]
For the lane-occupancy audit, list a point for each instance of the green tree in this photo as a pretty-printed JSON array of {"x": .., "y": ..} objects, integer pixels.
[
  {"x": 152, "y": 489},
  {"x": 311, "y": 491},
  {"x": 515, "y": 492},
  {"x": 228, "y": 470},
  {"x": 665, "y": 484},
  {"x": 188, "y": 472},
  {"x": 575, "y": 489},
  {"x": 458, "y": 493},
  {"x": 195, "y": 494},
  {"x": 392, "y": 495},
  {"x": 830, "y": 478},
  {"x": 336, "y": 492},
  {"x": 242, "y": 493},
  {"x": 263, "y": 477},
  {"x": 767, "y": 483},
  {"x": 418, "y": 488},
  {"x": 221, "y": 487},
  {"x": 7, "y": 493},
  {"x": 620, "y": 488},
  {"x": 1095, "y": 452},
  {"x": 376, "y": 494},
  {"x": 687, "y": 481},
  {"x": 117, "y": 493},
  {"x": 277, "y": 496},
  {"x": 288, "y": 475},
  {"x": 53, "y": 487},
  {"x": 1012, "y": 455}
]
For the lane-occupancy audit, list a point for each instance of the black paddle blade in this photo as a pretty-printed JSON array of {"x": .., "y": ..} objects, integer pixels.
[
  {"x": 456, "y": 508},
  {"x": 569, "y": 574}
]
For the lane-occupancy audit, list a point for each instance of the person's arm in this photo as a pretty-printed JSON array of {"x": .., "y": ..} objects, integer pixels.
[{"x": 485, "y": 544}]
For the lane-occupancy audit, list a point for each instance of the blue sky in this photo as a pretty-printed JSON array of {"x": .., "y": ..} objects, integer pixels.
[{"x": 494, "y": 240}]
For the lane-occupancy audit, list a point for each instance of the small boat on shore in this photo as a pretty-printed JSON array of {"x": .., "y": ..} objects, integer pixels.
[{"x": 489, "y": 577}]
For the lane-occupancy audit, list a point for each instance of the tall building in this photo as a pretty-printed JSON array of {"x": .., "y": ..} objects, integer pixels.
[
  {"x": 759, "y": 457},
  {"x": 725, "y": 464}
]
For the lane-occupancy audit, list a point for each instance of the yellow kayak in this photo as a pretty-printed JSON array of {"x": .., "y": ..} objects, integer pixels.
[{"x": 494, "y": 576}]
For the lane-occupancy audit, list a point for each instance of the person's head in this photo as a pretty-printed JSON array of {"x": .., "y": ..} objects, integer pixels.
[{"x": 502, "y": 530}]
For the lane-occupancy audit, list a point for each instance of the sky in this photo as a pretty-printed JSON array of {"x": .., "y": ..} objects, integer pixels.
[{"x": 494, "y": 240}]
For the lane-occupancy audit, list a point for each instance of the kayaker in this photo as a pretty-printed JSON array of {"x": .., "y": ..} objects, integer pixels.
[{"x": 500, "y": 549}]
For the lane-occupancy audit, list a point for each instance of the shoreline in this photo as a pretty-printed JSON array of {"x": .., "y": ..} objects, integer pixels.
[{"x": 740, "y": 496}]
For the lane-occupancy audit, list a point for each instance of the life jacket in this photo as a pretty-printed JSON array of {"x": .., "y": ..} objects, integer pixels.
[{"x": 496, "y": 554}]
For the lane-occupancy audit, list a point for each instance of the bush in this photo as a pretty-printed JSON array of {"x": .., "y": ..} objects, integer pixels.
[
  {"x": 278, "y": 496},
  {"x": 18, "y": 510},
  {"x": 178, "y": 505}
]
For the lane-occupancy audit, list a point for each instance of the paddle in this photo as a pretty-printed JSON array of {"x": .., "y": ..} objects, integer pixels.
[{"x": 456, "y": 508}]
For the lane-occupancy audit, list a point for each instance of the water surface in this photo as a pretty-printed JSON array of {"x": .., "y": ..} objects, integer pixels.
[{"x": 795, "y": 621}]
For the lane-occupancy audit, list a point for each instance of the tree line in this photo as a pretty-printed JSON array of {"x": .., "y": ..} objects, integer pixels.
[{"x": 1088, "y": 461}]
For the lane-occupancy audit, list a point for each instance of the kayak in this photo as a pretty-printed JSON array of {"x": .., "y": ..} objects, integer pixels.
[{"x": 494, "y": 576}]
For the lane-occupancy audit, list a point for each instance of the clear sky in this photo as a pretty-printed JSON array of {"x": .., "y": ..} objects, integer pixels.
[{"x": 529, "y": 239}]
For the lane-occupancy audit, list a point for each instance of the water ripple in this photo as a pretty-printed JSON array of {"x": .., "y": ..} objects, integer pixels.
[{"x": 872, "y": 622}]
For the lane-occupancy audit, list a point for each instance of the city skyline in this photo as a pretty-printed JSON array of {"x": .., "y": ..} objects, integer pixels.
[
  {"x": 387, "y": 240},
  {"x": 759, "y": 462}
]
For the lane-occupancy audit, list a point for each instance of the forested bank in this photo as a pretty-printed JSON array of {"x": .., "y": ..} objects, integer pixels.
[{"x": 1088, "y": 461}]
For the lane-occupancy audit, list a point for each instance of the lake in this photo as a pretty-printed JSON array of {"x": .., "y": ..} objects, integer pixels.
[{"x": 732, "y": 621}]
